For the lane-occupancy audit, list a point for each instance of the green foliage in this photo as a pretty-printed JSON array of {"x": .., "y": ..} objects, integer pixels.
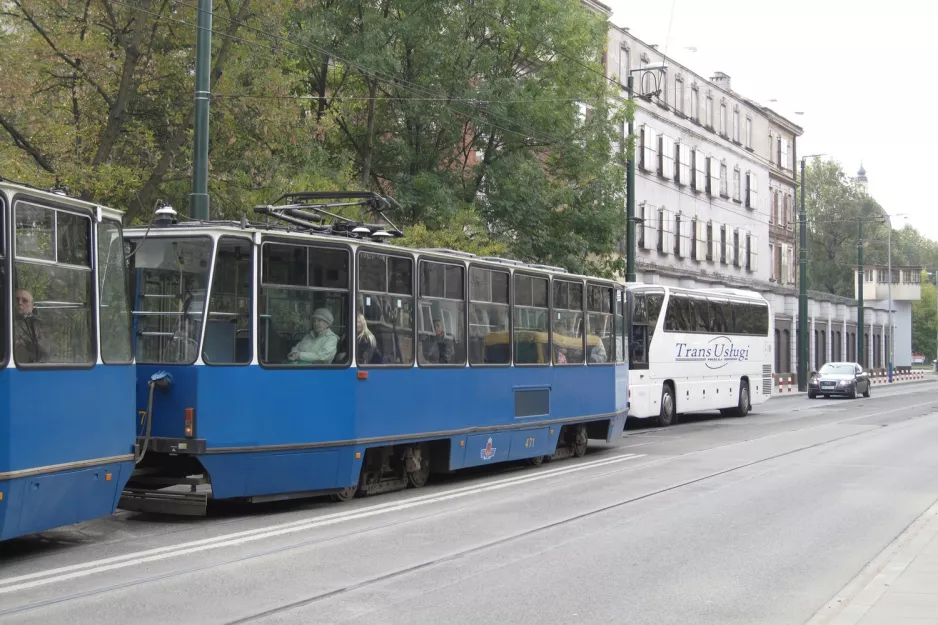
[
  {"x": 925, "y": 321},
  {"x": 468, "y": 113}
]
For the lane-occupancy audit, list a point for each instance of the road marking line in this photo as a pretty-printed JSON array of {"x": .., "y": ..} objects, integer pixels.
[{"x": 41, "y": 578}]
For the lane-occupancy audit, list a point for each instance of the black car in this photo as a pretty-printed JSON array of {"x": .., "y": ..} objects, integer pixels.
[{"x": 839, "y": 378}]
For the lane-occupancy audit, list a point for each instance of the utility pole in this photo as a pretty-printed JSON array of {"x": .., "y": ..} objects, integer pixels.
[
  {"x": 198, "y": 199},
  {"x": 891, "y": 328},
  {"x": 630, "y": 198},
  {"x": 860, "y": 281},
  {"x": 803, "y": 293}
]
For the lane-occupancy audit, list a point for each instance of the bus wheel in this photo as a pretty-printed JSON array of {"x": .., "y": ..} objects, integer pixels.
[
  {"x": 418, "y": 466},
  {"x": 579, "y": 443},
  {"x": 742, "y": 409},
  {"x": 666, "y": 416},
  {"x": 346, "y": 494}
]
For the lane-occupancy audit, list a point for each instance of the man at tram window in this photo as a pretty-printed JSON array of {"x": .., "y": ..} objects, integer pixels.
[
  {"x": 318, "y": 347},
  {"x": 438, "y": 349},
  {"x": 29, "y": 340}
]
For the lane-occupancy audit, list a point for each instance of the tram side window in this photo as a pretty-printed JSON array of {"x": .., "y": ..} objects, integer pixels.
[
  {"x": 531, "y": 316},
  {"x": 620, "y": 326},
  {"x": 116, "y": 347},
  {"x": 567, "y": 324},
  {"x": 386, "y": 304},
  {"x": 600, "y": 330},
  {"x": 228, "y": 325},
  {"x": 304, "y": 305},
  {"x": 488, "y": 317},
  {"x": 442, "y": 331},
  {"x": 169, "y": 282},
  {"x": 53, "y": 287}
]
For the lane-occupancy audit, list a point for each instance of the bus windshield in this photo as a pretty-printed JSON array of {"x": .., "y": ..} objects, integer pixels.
[{"x": 169, "y": 279}]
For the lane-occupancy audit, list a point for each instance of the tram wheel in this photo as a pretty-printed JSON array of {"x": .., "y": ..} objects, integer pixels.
[
  {"x": 580, "y": 441},
  {"x": 346, "y": 494},
  {"x": 419, "y": 476},
  {"x": 536, "y": 461}
]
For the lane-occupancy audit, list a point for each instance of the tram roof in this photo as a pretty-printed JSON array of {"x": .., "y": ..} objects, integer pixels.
[
  {"x": 250, "y": 229},
  {"x": 56, "y": 196}
]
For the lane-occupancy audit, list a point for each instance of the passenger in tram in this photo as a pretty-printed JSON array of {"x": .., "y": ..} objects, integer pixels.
[
  {"x": 319, "y": 346},
  {"x": 439, "y": 349},
  {"x": 28, "y": 335},
  {"x": 366, "y": 341}
]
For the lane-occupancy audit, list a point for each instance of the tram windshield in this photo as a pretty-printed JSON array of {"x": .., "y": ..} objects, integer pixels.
[
  {"x": 53, "y": 288},
  {"x": 169, "y": 280}
]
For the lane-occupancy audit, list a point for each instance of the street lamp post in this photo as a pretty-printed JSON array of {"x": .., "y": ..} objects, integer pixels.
[
  {"x": 803, "y": 290},
  {"x": 630, "y": 180},
  {"x": 630, "y": 198}
]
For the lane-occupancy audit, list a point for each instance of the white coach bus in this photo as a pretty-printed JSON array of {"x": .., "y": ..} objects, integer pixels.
[{"x": 697, "y": 349}]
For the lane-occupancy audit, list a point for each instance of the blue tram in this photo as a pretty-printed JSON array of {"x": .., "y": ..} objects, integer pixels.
[
  {"x": 298, "y": 358},
  {"x": 66, "y": 366}
]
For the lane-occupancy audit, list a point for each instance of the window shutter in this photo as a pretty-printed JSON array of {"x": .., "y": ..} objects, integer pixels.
[
  {"x": 700, "y": 169},
  {"x": 701, "y": 235},
  {"x": 667, "y": 226},
  {"x": 753, "y": 253},
  {"x": 714, "y": 165},
  {"x": 754, "y": 191},
  {"x": 651, "y": 228}
]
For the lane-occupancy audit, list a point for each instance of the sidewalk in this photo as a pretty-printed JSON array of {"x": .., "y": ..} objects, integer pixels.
[{"x": 899, "y": 587}]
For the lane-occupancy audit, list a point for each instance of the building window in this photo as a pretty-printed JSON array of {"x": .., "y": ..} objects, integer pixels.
[
  {"x": 723, "y": 119},
  {"x": 677, "y": 235},
  {"x": 723, "y": 244},
  {"x": 666, "y": 156},
  {"x": 694, "y": 234},
  {"x": 736, "y": 125},
  {"x": 623, "y": 66},
  {"x": 709, "y": 112},
  {"x": 735, "y": 251},
  {"x": 791, "y": 265},
  {"x": 749, "y": 132},
  {"x": 772, "y": 256},
  {"x": 752, "y": 190},
  {"x": 710, "y": 241},
  {"x": 648, "y": 80},
  {"x": 724, "y": 182},
  {"x": 736, "y": 184},
  {"x": 679, "y": 95},
  {"x": 700, "y": 172},
  {"x": 783, "y": 158},
  {"x": 649, "y": 148},
  {"x": 773, "y": 217},
  {"x": 772, "y": 156},
  {"x": 695, "y": 104},
  {"x": 683, "y": 164}
]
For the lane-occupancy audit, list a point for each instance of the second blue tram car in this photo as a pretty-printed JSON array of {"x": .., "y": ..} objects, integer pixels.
[
  {"x": 66, "y": 366},
  {"x": 296, "y": 362}
]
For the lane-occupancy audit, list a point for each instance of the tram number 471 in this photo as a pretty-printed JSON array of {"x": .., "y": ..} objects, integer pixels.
[{"x": 529, "y": 443}]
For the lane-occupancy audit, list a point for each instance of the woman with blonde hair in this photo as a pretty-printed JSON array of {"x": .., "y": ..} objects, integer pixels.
[{"x": 366, "y": 340}]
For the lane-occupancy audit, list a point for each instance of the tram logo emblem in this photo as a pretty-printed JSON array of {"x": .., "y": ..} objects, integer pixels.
[{"x": 489, "y": 452}]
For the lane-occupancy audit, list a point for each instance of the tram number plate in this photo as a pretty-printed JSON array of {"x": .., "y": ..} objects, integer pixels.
[{"x": 529, "y": 443}]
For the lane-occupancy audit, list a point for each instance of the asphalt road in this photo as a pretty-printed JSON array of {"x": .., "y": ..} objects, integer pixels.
[{"x": 716, "y": 520}]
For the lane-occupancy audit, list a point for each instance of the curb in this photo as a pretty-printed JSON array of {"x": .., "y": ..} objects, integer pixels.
[{"x": 855, "y": 599}]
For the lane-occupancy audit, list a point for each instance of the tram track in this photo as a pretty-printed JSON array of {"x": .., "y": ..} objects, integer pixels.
[{"x": 616, "y": 464}]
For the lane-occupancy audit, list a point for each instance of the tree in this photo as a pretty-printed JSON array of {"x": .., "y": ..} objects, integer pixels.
[
  {"x": 458, "y": 107},
  {"x": 925, "y": 321}
]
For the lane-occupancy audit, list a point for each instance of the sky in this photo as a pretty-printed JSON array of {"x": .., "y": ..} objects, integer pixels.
[{"x": 858, "y": 70}]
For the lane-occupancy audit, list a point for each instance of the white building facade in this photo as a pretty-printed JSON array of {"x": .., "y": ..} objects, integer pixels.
[{"x": 715, "y": 190}]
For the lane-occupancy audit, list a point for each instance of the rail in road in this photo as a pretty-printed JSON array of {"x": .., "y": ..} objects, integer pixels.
[{"x": 716, "y": 520}]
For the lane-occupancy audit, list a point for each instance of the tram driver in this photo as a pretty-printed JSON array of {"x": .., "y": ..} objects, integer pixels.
[
  {"x": 318, "y": 347},
  {"x": 28, "y": 336}
]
